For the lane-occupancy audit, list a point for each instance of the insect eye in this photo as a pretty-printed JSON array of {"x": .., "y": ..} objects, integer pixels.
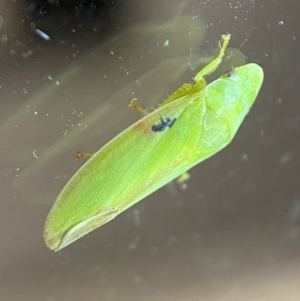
[{"x": 230, "y": 74}]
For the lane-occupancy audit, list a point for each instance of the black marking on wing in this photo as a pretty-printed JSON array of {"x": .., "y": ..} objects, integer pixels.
[{"x": 163, "y": 124}]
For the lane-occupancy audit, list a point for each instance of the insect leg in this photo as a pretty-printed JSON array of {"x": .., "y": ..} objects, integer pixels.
[
  {"x": 213, "y": 65},
  {"x": 81, "y": 154},
  {"x": 183, "y": 177},
  {"x": 134, "y": 105}
]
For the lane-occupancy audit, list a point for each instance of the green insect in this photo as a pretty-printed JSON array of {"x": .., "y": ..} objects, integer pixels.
[{"x": 192, "y": 124}]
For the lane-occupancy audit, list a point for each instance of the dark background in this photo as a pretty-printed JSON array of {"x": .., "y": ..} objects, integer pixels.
[{"x": 231, "y": 233}]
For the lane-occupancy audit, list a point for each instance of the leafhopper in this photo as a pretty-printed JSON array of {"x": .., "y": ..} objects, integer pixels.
[{"x": 192, "y": 124}]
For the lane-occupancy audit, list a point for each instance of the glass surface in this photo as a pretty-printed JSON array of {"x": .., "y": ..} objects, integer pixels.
[{"x": 68, "y": 71}]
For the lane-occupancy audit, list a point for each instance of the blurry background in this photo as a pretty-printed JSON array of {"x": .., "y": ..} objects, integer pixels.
[{"x": 68, "y": 71}]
